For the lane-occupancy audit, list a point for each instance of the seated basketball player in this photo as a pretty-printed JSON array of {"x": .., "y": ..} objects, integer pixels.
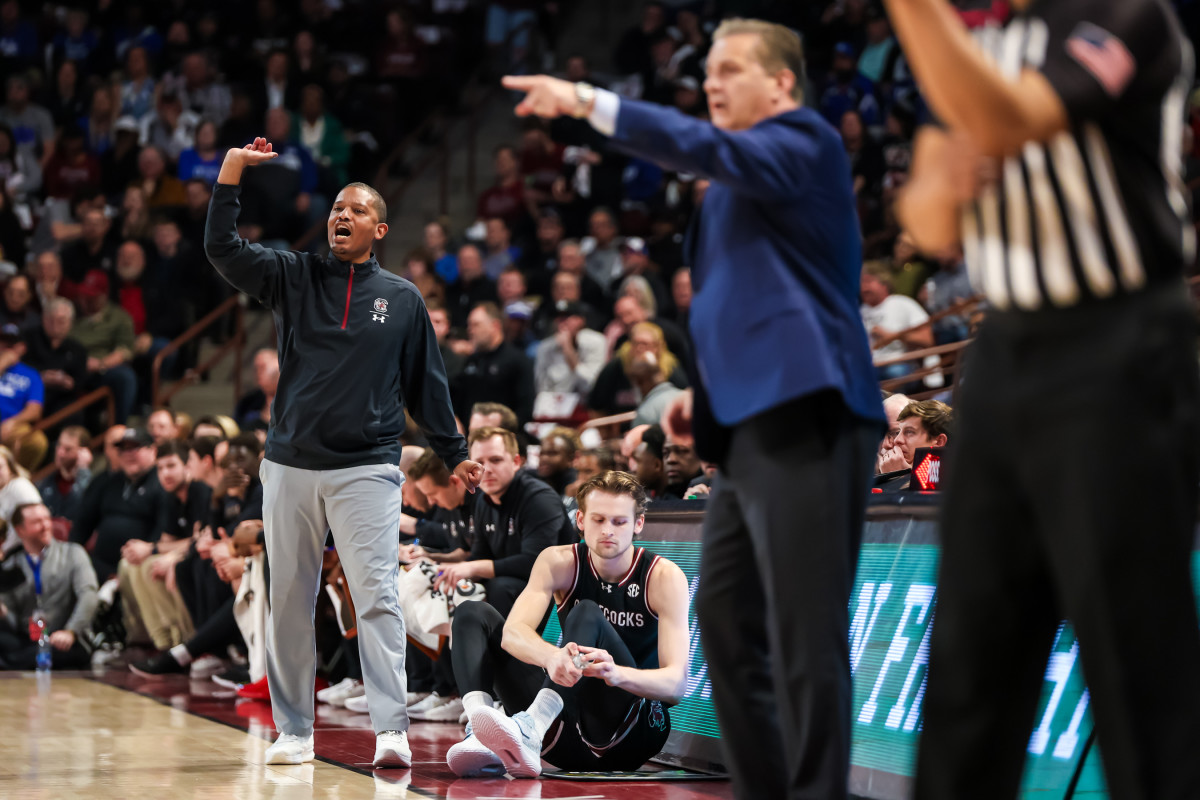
[{"x": 599, "y": 701}]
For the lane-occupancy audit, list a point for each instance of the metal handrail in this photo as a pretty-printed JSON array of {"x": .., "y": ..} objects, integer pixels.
[
  {"x": 89, "y": 399},
  {"x": 235, "y": 345}
]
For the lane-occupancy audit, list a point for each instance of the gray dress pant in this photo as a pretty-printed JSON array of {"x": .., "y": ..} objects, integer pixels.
[{"x": 361, "y": 505}]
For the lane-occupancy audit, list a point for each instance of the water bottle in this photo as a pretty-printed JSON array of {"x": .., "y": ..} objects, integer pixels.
[{"x": 43, "y": 653}]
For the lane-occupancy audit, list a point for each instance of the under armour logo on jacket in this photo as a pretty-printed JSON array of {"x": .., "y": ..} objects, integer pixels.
[{"x": 379, "y": 317}]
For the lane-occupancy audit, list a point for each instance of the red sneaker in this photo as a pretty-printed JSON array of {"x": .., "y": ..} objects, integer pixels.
[{"x": 255, "y": 691}]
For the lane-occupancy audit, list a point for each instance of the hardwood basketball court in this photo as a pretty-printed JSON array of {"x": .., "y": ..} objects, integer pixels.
[{"x": 115, "y": 735}]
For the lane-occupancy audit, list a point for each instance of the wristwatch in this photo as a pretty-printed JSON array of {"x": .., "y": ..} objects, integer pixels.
[{"x": 585, "y": 96}]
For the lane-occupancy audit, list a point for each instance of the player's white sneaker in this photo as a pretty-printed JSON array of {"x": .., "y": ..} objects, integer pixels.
[
  {"x": 470, "y": 759},
  {"x": 290, "y": 749},
  {"x": 339, "y": 693},
  {"x": 391, "y": 750},
  {"x": 436, "y": 708},
  {"x": 511, "y": 738},
  {"x": 356, "y": 704},
  {"x": 415, "y": 697}
]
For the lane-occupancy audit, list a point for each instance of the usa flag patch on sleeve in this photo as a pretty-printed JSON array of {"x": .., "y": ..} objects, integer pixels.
[{"x": 1104, "y": 56}]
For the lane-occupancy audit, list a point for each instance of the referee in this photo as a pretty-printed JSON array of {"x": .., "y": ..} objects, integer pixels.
[
  {"x": 1078, "y": 234},
  {"x": 355, "y": 346}
]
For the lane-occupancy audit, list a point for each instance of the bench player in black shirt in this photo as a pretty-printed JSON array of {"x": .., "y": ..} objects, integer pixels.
[
  {"x": 603, "y": 694},
  {"x": 1079, "y": 242}
]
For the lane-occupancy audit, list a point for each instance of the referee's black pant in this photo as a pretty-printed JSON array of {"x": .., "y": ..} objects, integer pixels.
[
  {"x": 781, "y": 539},
  {"x": 1073, "y": 494}
]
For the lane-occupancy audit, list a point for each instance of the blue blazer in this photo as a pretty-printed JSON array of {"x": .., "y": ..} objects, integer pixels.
[{"x": 776, "y": 258}]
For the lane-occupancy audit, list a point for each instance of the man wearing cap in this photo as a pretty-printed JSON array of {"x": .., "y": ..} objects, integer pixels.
[
  {"x": 123, "y": 508},
  {"x": 21, "y": 398},
  {"x": 497, "y": 371},
  {"x": 570, "y": 360},
  {"x": 849, "y": 90},
  {"x": 635, "y": 260},
  {"x": 106, "y": 330}
]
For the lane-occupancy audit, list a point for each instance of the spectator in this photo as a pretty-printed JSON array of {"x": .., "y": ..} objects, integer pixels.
[
  {"x": 106, "y": 332},
  {"x": 201, "y": 161},
  {"x": 134, "y": 221},
  {"x": 603, "y": 249},
  {"x": 849, "y": 90},
  {"x": 172, "y": 128},
  {"x": 94, "y": 249},
  {"x": 277, "y": 196},
  {"x": 493, "y": 415},
  {"x": 153, "y": 613},
  {"x": 19, "y": 306},
  {"x": 72, "y": 169},
  {"x": 32, "y": 125},
  {"x": 648, "y": 457},
  {"x": 681, "y": 295},
  {"x": 62, "y": 490},
  {"x": 15, "y": 490},
  {"x": 137, "y": 91},
  {"x": 99, "y": 120},
  {"x": 162, "y": 429},
  {"x": 656, "y": 392},
  {"x": 322, "y": 135},
  {"x": 119, "y": 162},
  {"x": 418, "y": 268},
  {"x": 276, "y": 90},
  {"x": 572, "y": 261},
  {"x": 199, "y": 193},
  {"x": 75, "y": 44},
  {"x": 682, "y": 466},
  {"x": 13, "y": 249},
  {"x": 244, "y": 122},
  {"x": 440, "y": 319},
  {"x": 63, "y": 589},
  {"x": 47, "y": 270},
  {"x": 19, "y": 46},
  {"x": 588, "y": 464},
  {"x": 638, "y": 269},
  {"x": 21, "y": 401},
  {"x": 311, "y": 66},
  {"x": 612, "y": 392},
  {"x": 880, "y": 46},
  {"x": 570, "y": 360},
  {"x": 162, "y": 190},
  {"x": 123, "y": 507},
  {"x": 632, "y": 55},
  {"x": 891, "y": 458},
  {"x": 516, "y": 517},
  {"x": 890, "y": 320},
  {"x": 172, "y": 280},
  {"x": 541, "y": 163},
  {"x": 556, "y": 457},
  {"x": 437, "y": 240},
  {"x": 20, "y": 172},
  {"x": 61, "y": 360},
  {"x": 67, "y": 105},
  {"x": 198, "y": 91},
  {"x": 866, "y": 160},
  {"x": 472, "y": 287},
  {"x": 500, "y": 251},
  {"x": 921, "y": 424},
  {"x": 541, "y": 261},
  {"x": 511, "y": 287},
  {"x": 255, "y": 407},
  {"x": 402, "y": 61},
  {"x": 506, "y": 197},
  {"x": 496, "y": 371},
  {"x": 949, "y": 285}
]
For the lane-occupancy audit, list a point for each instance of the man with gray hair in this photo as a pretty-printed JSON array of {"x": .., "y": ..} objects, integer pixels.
[{"x": 61, "y": 360}]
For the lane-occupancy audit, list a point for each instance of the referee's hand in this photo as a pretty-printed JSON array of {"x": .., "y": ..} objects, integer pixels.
[{"x": 470, "y": 473}]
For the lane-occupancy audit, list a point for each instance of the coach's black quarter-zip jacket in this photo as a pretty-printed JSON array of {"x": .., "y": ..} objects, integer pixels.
[{"x": 355, "y": 347}]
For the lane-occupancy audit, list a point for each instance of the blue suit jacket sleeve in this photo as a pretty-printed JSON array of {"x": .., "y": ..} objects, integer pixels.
[{"x": 768, "y": 161}]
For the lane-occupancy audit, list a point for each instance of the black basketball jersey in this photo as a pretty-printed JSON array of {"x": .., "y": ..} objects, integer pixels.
[{"x": 624, "y": 603}]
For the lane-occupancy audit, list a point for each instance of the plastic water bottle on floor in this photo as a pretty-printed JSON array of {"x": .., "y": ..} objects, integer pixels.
[{"x": 43, "y": 640}]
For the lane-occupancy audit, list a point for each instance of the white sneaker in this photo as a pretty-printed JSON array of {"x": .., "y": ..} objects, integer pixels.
[
  {"x": 470, "y": 759},
  {"x": 414, "y": 698},
  {"x": 391, "y": 750},
  {"x": 436, "y": 708},
  {"x": 510, "y": 738},
  {"x": 290, "y": 749},
  {"x": 357, "y": 704},
  {"x": 205, "y": 667},
  {"x": 338, "y": 694}
]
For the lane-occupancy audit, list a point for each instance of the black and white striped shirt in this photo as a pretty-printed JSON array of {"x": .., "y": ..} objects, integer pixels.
[{"x": 1101, "y": 209}]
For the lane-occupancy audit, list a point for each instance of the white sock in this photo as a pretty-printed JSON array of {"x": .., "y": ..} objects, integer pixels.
[
  {"x": 474, "y": 700},
  {"x": 180, "y": 653},
  {"x": 544, "y": 709}
]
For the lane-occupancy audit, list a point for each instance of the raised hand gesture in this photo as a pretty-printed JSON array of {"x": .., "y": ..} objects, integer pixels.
[{"x": 257, "y": 152}]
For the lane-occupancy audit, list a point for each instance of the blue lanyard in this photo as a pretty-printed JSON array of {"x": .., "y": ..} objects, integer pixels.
[{"x": 36, "y": 566}]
